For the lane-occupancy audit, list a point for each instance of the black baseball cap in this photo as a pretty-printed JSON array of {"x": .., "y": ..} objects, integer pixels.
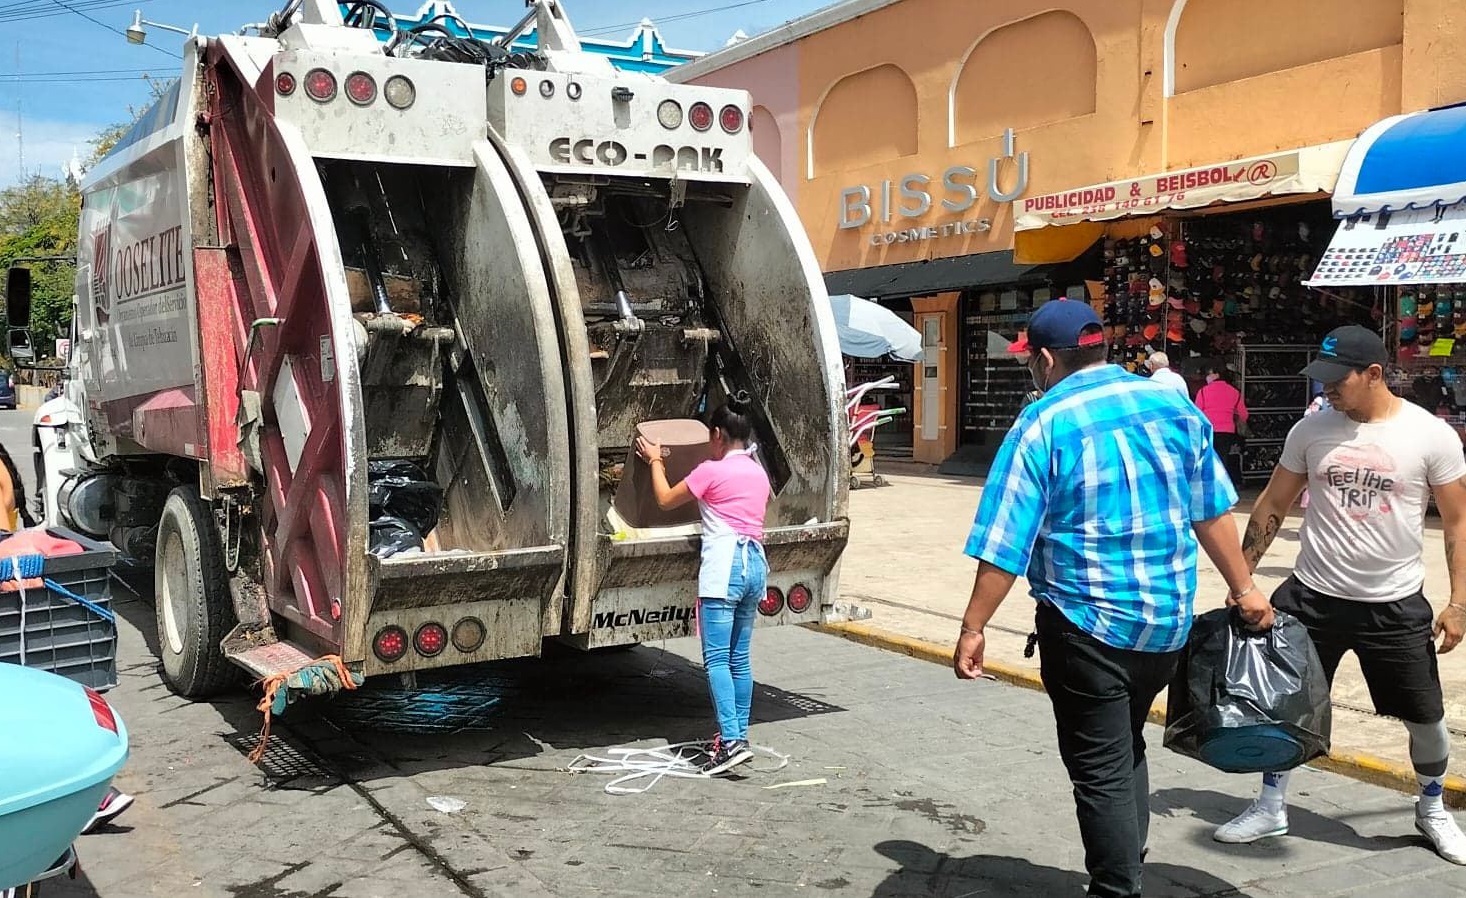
[{"x": 1346, "y": 349}]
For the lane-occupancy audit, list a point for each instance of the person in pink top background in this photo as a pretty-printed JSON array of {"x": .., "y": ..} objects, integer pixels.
[
  {"x": 732, "y": 492},
  {"x": 1221, "y": 402}
]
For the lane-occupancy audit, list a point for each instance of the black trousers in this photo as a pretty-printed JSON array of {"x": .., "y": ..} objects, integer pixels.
[
  {"x": 1226, "y": 446},
  {"x": 1101, "y": 697}
]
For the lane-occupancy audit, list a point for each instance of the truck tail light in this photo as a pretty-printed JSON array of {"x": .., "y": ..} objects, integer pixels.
[
  {"x": 732, "y": 119},
  {"x": 772, "y": 602},
  {"x": 284, "y": 84},
  {"x": 519, "y": 86},
  {"x": 468, "y": 635},
  {"x": 320, "y": 85},
  {"x": 669, "y": 114},
  {"x": 800, "y": 598},
  {"x": 430, "y": 639},
  {"x": 361, "y": 88},
  {"x": 390, "y": 644},
  {"x": 700, "y": 116},
  {"x": 399, "y": 92}
]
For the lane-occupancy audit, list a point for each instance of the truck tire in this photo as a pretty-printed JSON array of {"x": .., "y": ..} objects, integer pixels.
[{"x": 192, "y": 603}]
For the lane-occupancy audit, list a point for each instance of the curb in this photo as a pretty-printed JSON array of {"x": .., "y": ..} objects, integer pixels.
[{"x": 1365, "y": 768}]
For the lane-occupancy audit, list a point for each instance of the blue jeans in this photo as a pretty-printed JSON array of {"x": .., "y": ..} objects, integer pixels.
[{"x": 727, "y": 632}]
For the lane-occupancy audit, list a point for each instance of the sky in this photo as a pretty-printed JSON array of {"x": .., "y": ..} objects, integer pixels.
[{"x": 67, "y": 68}]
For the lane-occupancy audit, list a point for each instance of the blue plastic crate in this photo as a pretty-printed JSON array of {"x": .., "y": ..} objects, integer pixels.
[{"x": 61, "y": 635}]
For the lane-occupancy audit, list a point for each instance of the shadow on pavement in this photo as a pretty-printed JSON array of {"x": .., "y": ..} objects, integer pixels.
[
  {"x": 925, "y": 872},
  {"x": 1216, "y": 808}
]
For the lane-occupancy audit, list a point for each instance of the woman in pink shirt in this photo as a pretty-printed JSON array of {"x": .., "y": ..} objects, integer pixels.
[
  {"x": 732, "y": 493},
  {"x": 1222, "y": 404}
]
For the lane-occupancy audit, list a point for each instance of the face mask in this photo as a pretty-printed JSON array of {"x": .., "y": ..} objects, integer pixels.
[
  {"x": 1039, "y": 383},
  {"x": 1212, "y": 378}
]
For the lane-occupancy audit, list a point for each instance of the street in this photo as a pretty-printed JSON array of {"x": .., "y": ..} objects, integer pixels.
[{"x": 901, "y": 781}]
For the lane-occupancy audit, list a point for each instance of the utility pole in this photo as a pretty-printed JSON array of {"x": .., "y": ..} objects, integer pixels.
[{"x": 19, "y": 116}]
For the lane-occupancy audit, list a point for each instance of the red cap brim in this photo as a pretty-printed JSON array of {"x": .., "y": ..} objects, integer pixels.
[{"x": 1018, "y": 345}]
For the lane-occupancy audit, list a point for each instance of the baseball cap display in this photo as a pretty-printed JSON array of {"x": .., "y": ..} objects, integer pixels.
[
  {"x": 1346, "y": 349},
  {"x": 1059, "y": 325}
]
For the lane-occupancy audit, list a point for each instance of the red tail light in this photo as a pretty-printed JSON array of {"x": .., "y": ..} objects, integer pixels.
[
  {"x": 101, "y": 710},
  {"x": 732, "y": 119},
  {"x": 284, "y": 84},
  {"x": 430, "y": 639},
  {"x": 361, "y": 89},
  {"x": 800, "y": 598},
  {"x": 320, "y": 85},
  {"x": 772, "y": 602},
  {"x": 390, "y": 644},
  {"x": 700, "y": 116}
]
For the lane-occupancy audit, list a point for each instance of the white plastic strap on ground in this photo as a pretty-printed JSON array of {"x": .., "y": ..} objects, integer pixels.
[{"x": 682, "y": 760}]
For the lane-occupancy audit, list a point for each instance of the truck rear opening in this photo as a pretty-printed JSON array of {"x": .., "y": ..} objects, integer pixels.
[{"x": 688, "y": 279}]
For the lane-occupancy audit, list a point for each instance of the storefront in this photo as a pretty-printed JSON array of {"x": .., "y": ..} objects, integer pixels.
[
  {"x": 1208, "y": 265},
  {"x": 1401, "y": 241},
  {"x": 929, "y": 180}
]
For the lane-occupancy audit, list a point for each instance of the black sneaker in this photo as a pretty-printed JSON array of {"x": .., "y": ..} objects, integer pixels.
[
  {"x": 727, "y": 755},
  {"x": 113, "y": 804}
]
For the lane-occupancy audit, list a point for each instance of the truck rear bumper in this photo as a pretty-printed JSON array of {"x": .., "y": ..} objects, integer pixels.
[
  {"x": 513, "y": 595},
  {"x": 649, "y": 590}
]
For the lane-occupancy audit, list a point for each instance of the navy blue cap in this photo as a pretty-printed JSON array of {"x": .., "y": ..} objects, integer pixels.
[{"x": 1059, "y": 324}]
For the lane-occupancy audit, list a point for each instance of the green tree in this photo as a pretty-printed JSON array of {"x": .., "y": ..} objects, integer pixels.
[{"x": 38, "y": 217}]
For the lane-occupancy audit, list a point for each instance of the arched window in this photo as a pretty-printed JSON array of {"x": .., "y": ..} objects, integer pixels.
[
  {"x": 997, "y": 86},
  {"x": 768, "y": 143},
  {"x": 1219, "y": 41},
  {"x": 864, "y": 119}
]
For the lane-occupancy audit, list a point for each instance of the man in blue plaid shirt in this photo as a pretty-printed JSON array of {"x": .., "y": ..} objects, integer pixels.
[{"x": 1099, "y": 495}]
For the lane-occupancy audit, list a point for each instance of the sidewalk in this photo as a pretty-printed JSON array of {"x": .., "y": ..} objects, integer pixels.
[{"x": 905, "y": 563}]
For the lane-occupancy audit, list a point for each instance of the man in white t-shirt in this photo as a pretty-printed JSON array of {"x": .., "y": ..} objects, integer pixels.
[
  {"x": 1370, "y": 463},
  {"x": 1160, "y": 371}
]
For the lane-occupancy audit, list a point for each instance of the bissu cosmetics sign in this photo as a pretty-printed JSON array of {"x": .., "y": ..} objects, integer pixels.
[{"x": 893, "y": 205}]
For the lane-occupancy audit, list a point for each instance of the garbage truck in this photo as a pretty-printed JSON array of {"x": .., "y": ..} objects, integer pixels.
[{"x": 366, "y": 317}]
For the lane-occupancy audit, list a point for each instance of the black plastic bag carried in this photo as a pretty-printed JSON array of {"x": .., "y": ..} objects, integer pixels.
[
  {"x": 404, "y": 506},
  {"x": 1249, "y": 702}
]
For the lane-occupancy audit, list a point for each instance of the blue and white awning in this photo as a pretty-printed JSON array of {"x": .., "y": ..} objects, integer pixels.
[{"x": 1413, "y": 161}]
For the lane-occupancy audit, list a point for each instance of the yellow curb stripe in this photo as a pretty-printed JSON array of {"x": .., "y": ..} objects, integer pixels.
[{"x": 1366, "y": 768}]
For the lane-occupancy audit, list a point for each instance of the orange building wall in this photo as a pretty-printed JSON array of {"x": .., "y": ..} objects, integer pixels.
[{"x": 920, "y": 86}]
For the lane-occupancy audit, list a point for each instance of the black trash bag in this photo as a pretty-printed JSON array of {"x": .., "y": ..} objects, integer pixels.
[
  {"x": 392, "y": 535},
  {"x": 1249, "y": 702},
  {"x": 400, "y": 489}
]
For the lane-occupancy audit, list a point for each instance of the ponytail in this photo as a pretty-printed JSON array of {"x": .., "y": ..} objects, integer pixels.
[{"x": 734, "y": 417}]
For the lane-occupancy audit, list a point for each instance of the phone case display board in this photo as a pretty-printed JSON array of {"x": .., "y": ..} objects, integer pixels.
[{"x": 1408, "y": 247}]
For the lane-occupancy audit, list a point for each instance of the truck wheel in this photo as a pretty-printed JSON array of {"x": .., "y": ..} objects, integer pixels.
[{"x": 192, "y": 603}]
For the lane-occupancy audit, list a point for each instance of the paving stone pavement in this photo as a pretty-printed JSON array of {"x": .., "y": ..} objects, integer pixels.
[{"x": 933, "y": 787}]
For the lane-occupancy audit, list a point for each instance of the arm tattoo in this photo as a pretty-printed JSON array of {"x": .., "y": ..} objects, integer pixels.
[{"x": 1258, "y": 538}]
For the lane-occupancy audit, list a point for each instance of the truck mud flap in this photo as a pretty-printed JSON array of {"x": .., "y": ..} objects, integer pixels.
[
  {"x": 509, "y": 598},
  {"x": 650, "y": 585}
]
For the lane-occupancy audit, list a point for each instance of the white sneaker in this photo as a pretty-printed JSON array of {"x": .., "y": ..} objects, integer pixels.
[
  {"x": 1441, "y": 829},
  {"x": 1257, "y": 822}
]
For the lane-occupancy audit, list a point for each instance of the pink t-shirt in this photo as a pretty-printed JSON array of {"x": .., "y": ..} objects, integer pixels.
[
  {"x": 732, "y": 492},
  {"x": 1222, "y": 404}
]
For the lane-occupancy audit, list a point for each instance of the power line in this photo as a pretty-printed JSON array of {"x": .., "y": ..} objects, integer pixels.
[
  {"x": 677, "y": 18},
  {"x": 29, "y": 7},
  {"x": 5, "y": 79},
  {"x": 111, "y": 29},
  {"x": 26, "y": 14},
  {"x": 78, "y": 72}
]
